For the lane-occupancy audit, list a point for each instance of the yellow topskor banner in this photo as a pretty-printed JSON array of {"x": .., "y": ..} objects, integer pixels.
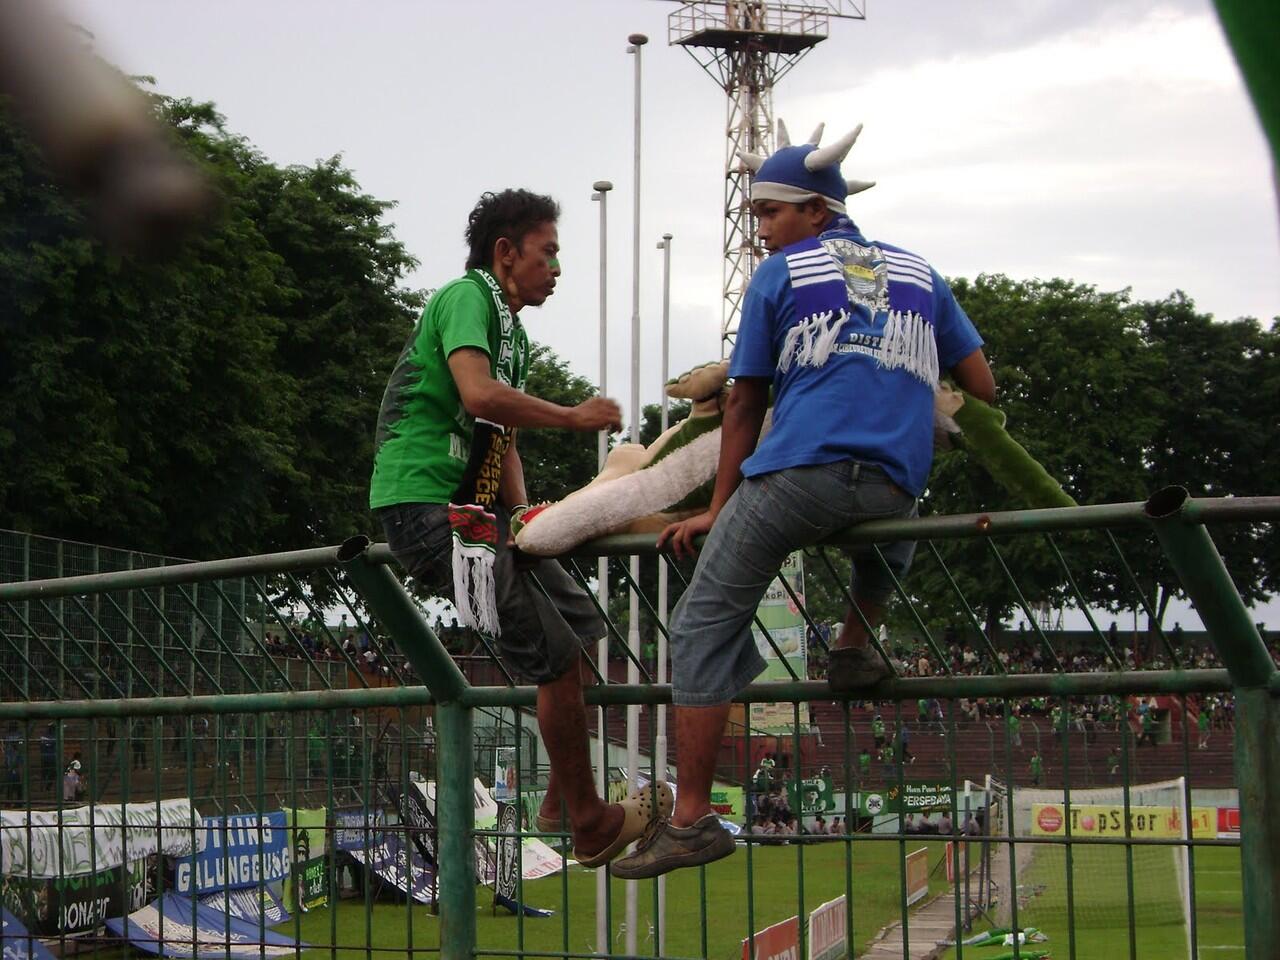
[{"x": 1107, "y": 820}]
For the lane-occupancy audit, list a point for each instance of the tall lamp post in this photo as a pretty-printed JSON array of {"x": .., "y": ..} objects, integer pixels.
[
  {"x": 601, "y": 195},
  {"x": 660, "y": 739},
  {"x": 635, "y": 42}
]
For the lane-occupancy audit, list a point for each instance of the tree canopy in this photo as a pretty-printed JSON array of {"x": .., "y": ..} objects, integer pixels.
[
  {"x": 1117, "y": 399},
  {"x": 219, "y": 402}
]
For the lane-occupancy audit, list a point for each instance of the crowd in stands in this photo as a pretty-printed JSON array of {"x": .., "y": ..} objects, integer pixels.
[
  {"x": 309, "y": 638},
  {"x": 1027, "y": 654}
]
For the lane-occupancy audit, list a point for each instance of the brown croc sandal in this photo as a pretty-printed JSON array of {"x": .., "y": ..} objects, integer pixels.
[
  {"x": 666, "y": 800},
  {"x": 666, "y": 803},
  {"x": 638, "y": 811},
  {"x": 549, "y": 824}
]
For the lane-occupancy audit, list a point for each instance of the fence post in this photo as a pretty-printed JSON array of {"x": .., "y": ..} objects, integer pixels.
[
  {"x": 455, "y": 761},
  {"x": 455, "y": 813},
  {"x": 1204, "y": 576}
]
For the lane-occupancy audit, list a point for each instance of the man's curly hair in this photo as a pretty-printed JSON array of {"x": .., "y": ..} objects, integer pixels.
[{"x": 511, "y": 214}]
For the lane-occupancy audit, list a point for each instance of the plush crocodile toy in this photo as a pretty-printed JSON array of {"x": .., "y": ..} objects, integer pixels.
[{"x": 642, "y": 489}]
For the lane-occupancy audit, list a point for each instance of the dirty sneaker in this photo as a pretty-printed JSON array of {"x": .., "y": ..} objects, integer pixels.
[
  {"x": 852, "y": 668},
  {"x": 665, "y": 847}
]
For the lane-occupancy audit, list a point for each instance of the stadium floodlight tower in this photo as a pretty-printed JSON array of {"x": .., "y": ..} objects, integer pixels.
[{"x": 747, "y": 46}]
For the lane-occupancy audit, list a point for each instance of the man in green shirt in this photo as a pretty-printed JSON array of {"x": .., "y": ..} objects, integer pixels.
[{"x": 447, "y": 481}]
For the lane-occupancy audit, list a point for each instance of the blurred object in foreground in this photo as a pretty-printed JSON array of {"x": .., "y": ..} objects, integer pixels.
[{"x": 96, "y": 132}]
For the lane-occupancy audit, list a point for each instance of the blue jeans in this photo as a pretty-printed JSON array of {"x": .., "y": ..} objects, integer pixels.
[{"x": 713, "y": 652}]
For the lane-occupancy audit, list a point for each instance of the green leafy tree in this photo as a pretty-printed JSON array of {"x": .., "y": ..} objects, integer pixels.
[
  {"x": 220, "y": 402},
  {"x": 1081, "y": 394},
  {"x": 1219, "y": 405},
  {"x": 1116, "y": 399},
  {"x": 556, "y": 462}
]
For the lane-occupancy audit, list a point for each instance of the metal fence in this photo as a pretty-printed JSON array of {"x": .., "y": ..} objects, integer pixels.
[{"x": 212, "y": 708}]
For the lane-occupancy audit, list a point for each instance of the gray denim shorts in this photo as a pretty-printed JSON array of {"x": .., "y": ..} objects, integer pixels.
[
  {"x": 713, "y": 652},
  {"x": 544, "y": 615}
]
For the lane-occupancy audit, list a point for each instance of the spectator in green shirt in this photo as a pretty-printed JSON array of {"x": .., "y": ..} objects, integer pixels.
[
  {"x": 1015, "y": 727},
  {"x": 448, "y": 483}
]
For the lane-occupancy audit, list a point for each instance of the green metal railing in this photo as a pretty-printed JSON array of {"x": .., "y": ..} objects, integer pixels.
[{"x": 244, "y": 737}]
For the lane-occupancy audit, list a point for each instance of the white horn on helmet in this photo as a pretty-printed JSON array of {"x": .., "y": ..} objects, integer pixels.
[
  {"x": 784, "y": 139},
  {"x": 857, "y": 186},
  {"x": 815, "y": 138},
  {"x": 753, "y": 160},
  {"x": 832, "y": 153}
]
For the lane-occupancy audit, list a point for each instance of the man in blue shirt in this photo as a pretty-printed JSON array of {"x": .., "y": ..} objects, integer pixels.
[{"x": 852, "y": 336}]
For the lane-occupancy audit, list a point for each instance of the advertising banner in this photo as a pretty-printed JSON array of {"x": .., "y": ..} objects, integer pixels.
[
  {"x": 508, "y": 862},
  {"x": 307, "y": 885},
  {"x": 51, "y": 843},
  {"x": 917, "y": 875},
  {"x": 176, "y": 926},
  {"x": 780, "y": 616},
  {"x": 829, "y": 931},
  {"x": 245, "y": 850},
  {"x": 812, "y": 796},
  {"x": 727, "y": 802},
  {"x": 778, "y": 942},
  {"x": 418, "y": 811},
  {"x": 504, "y": 774},
  {"x": 249, "y": 904},
  {"x": 922, "y": 796},
  {"x": 78, "y": 903},
  {"x": 355, "y": 828},
  {"x": 399, "y": 864},
  {"x": 951, "y": 860},
  {"x": 1104, "y": 820},
  {"x": 1229, "y": 823},
  {"x": 17, "y": 943}
]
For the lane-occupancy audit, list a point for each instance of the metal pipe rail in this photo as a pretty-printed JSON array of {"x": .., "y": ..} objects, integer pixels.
[{"x": 1177, "y": 521}]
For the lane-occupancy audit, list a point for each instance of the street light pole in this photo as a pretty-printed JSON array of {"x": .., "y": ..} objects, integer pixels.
[
  {"x": 601, "y": 195},
  {"x": 660, "y": 739},
  {"x": 636, "y": 41}
]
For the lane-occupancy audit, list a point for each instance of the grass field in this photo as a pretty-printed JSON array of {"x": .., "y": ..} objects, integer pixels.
[
  {"x": 1101, "y": 906},
  {"x": 776, "y": 895}
]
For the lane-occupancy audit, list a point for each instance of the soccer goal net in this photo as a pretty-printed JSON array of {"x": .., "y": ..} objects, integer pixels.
[{"x": 1093, "y": 883}]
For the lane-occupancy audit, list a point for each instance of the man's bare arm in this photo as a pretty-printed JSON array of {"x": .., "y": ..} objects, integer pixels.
[
  {"x": 511, "y": 490},
  {"x": 973, "y": 375},
  {"x": 743, "y": 417},
  {"x": 486, "y": 398}
]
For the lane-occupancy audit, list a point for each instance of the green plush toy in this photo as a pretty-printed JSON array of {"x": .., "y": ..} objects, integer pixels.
[{"x": 980, "y": 432}]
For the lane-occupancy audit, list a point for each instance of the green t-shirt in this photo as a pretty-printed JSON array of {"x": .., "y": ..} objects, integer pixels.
[{"x": 425, "y": 435}]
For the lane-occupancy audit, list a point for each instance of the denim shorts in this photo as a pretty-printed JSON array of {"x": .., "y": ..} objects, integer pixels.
[
  {"x": 543, "y": 614},
  {"x": 713, "y": 651}
]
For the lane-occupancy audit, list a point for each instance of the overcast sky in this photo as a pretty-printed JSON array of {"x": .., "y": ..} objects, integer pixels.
[{"x": 1108, "y": 141}]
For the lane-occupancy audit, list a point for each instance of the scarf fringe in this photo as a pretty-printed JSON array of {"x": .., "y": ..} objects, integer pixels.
[
  {"x": 908, "y": 344},
  {"x": 474, "y": 589},
  {"x": 809, "y": 343}
]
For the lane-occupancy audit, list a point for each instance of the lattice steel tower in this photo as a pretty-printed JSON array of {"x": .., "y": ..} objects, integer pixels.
[{"x": 747, "y": 46}]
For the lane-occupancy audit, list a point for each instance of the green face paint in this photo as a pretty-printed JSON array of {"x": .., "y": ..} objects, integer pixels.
[{"x": 553, "y": 263}]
